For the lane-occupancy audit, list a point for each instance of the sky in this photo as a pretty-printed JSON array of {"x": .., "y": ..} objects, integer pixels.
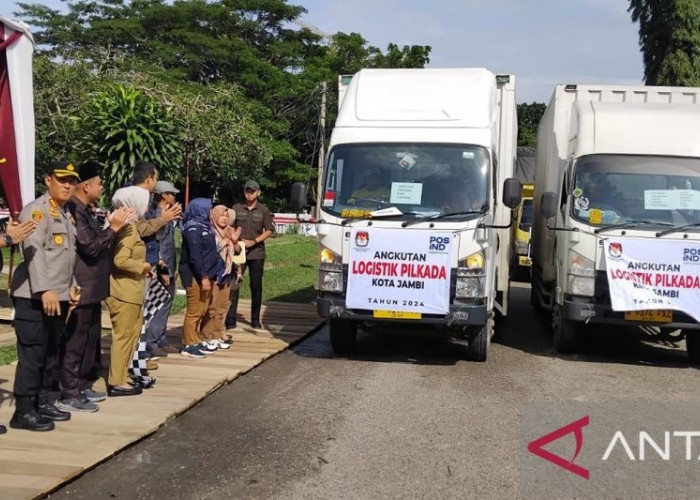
[{"x": 541, "y": 42}]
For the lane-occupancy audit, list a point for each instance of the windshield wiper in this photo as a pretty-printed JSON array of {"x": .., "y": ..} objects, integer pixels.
[
  {"x": 375, "y": 217},
  {"x": 631, "y": 223},
  {"x": 441, "y": 216},
  {"x": 677, "y": 228}
]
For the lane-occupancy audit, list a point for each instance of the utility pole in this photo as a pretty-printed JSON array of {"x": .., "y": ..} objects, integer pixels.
[{"x": 322, "y": 149}]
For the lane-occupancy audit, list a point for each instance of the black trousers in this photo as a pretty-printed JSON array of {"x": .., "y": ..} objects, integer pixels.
[
  {"x": 256, "y": 275},
  {"x": 78, "y": 355},
  {"x": 38, "y": 340}
]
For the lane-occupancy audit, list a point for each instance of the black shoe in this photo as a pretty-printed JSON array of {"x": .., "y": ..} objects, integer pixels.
[
  {"x": 114, "y": 391},
  {"x": 31, "y": 421},
  {"x": 3, "y": 429},
  {"x": 230, "y": 324},
  {"x": 256, "y": 324},
  {"x": 51, "y": 412}
]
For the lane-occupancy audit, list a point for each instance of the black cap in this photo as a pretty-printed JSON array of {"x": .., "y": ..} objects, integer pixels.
[
  {"x": 89, "y": 169},
  {"x": 63, "y": 169},
  {"x": 252, "y": 185}
]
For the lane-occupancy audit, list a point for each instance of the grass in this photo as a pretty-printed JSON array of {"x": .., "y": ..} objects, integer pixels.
[{"x": 8, "y": 354}]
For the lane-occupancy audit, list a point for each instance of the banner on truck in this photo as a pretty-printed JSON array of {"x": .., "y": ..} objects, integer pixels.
[
  {"x": 399, "y": 270},
  {"x": 662, "y": 275}
]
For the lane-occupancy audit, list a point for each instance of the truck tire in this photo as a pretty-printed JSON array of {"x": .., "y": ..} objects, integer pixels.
[
  {"x": 692, "y": 345},
  {"x": 566, "y": 332},
  {"x": 478, "y": 348},
  {"x": 343, "y": 335}
]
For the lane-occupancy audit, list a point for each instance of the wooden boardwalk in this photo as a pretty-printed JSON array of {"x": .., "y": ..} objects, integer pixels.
[{"x": 33, "y": 464}]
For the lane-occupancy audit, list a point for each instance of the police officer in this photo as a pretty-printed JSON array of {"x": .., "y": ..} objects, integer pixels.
[{"x": 42, "y": 288}]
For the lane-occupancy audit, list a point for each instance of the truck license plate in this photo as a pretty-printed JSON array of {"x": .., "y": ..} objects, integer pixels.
[
  {"x": 654, "y": 315},
  {"x": 396, "y": 315}
]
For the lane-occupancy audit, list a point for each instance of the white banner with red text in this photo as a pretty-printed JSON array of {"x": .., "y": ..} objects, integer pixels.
[
  {"x": 399, "y": 270},
  {"x": 648, "y": 274}
]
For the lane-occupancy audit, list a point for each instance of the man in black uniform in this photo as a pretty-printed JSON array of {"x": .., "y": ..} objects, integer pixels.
[
  {"x": 258, "y": 225},
  {"x": 82, "y": 340},
  {"x": 42, "y": 288}
]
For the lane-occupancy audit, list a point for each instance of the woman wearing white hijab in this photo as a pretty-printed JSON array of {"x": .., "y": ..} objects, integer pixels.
[{"x": 127, "y": 291}]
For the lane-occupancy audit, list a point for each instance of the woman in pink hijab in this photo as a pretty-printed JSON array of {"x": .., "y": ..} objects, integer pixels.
[{"x": 214, "y": 322}]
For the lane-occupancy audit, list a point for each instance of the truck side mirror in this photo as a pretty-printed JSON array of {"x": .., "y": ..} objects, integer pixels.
[
  {"x": 512, "y": 192},
  {"x": 548, "y": 204},
  {"x": 298, "y": 197}
]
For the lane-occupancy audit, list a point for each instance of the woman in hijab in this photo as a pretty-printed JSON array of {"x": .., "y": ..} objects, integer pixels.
[
  {"x": 127, "y": 291},
  {"x": 199, "y": 267},
  {"x": 214, "y": 324}
]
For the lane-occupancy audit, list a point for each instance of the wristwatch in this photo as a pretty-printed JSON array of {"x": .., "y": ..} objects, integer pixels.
[{"x": 8, "y": 240}]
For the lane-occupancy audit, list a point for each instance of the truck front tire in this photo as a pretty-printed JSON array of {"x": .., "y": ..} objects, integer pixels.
[
  {"x": 478, "y": 348},
  {"x": 343, "y": 335},
  {"x": 692, "y": 345},
  {"x": 566, "y": 332}
]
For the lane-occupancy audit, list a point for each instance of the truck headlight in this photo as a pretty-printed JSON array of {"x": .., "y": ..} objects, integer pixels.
[
  {"x": 521, "y": 247},
  {"x": 470, "y": 277},
  {"x": 330, "y": 281},
  {"x": 328, "y": 260},
  {"x": 469, "y": 287},
  {"x": 581, "y": 274}
]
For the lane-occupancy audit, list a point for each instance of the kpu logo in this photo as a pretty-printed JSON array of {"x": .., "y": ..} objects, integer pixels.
[
  {"x": 615, "y": 250},
  {"x": 536, "y": 447},
  {"x": 362, "y": 239}
]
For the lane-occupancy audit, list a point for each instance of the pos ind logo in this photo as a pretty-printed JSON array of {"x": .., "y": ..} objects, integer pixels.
[{"x": 536, "y": 447}]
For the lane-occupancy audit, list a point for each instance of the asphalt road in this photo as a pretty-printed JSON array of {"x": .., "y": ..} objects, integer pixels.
[{"x": 403, "y": 418}]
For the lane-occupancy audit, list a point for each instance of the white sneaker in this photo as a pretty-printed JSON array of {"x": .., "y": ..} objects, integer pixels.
[
  {"x": 222, "y": 344},
  {"x": 205, "y": 348}
]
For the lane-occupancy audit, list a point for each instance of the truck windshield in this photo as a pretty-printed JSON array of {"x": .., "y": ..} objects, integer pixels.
[
  {"x": 420, "y": 180},
  {"x": 614, "y": 189}
]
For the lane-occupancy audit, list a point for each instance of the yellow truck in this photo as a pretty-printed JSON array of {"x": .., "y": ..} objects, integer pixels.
[{"x": 522, "y": 215}]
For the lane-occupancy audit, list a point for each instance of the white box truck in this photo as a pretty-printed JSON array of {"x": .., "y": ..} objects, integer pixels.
[
  {"x": 414, "y": 211},
  {"x": 617, "y": 203}
]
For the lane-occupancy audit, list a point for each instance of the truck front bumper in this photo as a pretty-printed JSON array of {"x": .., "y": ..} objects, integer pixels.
[
  {"x": 460, "y": 314},
  {"x": 585, "y": 310}
]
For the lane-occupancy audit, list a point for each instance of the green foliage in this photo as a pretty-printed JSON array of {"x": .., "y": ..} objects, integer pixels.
[
  {"x": 529, "y": 116},
  {"x": 669, "y": 36},
  {"x": 123, "y": 126},
  {"x": 241, "y": 88}
]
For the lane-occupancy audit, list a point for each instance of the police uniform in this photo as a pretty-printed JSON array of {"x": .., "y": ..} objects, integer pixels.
[{"x": 48, "y": 264}]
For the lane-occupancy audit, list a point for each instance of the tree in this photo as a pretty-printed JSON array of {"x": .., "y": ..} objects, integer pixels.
[
  {"x": 529, "y": 116},
  {"x": 669, "y": 36},
  {"x": 124, "y": 126}
]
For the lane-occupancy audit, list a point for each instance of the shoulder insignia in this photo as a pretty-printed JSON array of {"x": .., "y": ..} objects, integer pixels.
[{"x": 37, "y": 215}]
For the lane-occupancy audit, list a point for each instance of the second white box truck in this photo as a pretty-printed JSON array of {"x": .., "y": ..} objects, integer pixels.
[{"x": 617, "y": 211}]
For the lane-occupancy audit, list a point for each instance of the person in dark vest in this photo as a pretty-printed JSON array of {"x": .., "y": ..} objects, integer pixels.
[
  {"x": 43, "y": 287},
  {"x": 257, "y": 225},
  {"x": 92, "y": 268}
]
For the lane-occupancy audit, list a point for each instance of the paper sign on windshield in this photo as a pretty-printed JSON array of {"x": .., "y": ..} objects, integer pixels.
[
  {"x": 671, "y": 199},
  {"x": 408, "y": 193},
  {"x": 657, "y": 274},
  {"x": 398, "y": 270}
]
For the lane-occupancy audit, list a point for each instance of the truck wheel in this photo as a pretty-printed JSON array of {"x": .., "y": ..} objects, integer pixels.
[
  {"x": 566, "y": 332},
  {"x": 692, "y": 345},
  {"x": 343, "y": 335},
  {"x": 478, "y": 348}
]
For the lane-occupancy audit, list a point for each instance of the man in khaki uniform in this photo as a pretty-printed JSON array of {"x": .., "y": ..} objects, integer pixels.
[{"x": 42, "y": 288}]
